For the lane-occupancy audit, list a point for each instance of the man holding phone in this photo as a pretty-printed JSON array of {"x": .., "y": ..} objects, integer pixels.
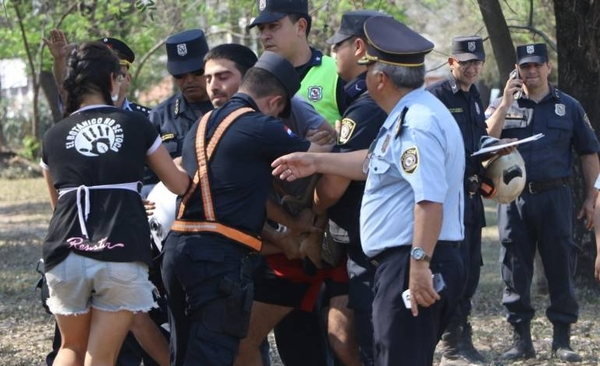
[{"x": 542, "y": 216}]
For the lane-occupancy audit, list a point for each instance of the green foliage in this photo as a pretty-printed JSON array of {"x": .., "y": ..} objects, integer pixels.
[{"x": 31, "y": 148}]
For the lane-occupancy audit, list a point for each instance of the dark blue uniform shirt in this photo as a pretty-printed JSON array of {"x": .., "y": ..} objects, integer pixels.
[
  {"x": 360, "y": 124},
  {"x": 564, "y": 124},
  {"x": 467, "y": 110},
  {"x": 240, "y": 169},
  {"x": 173, "y": 119}
]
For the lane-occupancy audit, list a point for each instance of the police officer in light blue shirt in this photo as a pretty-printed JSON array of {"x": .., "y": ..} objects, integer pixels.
[{"x": 412, "y": 209}]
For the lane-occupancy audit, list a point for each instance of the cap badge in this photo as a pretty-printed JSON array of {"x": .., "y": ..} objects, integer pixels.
[
  {"x": 262, "y": 4},
  {"x": 315, "y": 93},
  {"x": 530, "y": 50},
  {"x": 182, "y": 49},
  {"x": 559, "y": 109},
  {"x": 471, "y": 46}
]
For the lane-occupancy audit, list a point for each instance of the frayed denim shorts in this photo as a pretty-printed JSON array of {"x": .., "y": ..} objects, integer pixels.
[{"x": 78, "y": 283}]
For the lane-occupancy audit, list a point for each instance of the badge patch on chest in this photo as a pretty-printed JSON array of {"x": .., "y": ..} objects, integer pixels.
[
  {"x": 410, "y": 160},
  {"x": 315, "y": 93},
  {"x": 559, "y": 109},
  {"x": 346, "y": 130}
]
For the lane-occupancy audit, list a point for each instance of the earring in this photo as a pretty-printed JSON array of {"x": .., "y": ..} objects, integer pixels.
[{"x": 114, "y": 97}]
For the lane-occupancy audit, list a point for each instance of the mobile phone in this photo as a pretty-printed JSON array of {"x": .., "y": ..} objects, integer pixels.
[
  {"x": 438, "y": 285},
  {"x": 515, "y": 75}
]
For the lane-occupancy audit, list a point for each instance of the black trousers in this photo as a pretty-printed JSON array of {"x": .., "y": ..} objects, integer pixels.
[{"x": 399, "y": 337}]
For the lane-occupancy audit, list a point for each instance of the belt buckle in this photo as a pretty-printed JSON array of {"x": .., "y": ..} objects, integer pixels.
[
  {"x": 531, "y": 189},
  {"x": 474, "y": 179}
]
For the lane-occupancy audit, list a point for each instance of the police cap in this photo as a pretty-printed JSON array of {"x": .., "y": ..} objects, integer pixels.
[
  {"x": 122, "y": 50},
  {"x": 532, "y": 53},
  {"x": 353, "y": 25},
  {"x": 284, "y": 71},
  {"x": 273, "y": 10},
  {"x": 468, "y": 48},
  {"x": 186, "y": 51},
  {"x": 393, "y": 43}
]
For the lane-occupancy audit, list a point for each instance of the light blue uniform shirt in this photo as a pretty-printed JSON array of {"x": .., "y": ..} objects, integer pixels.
[{"x": 425, "y": 163}]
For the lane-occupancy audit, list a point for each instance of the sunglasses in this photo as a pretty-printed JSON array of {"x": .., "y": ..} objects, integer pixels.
[{"x": 193, "y": 73}]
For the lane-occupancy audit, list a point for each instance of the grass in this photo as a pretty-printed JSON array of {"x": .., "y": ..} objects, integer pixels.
[{"x": 26, "y": 330}]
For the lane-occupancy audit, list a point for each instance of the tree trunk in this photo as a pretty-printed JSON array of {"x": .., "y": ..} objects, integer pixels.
[
  {"x": 578, "y": 42},
  {"x": 495, "y": 23},
  {"x": 48, "y": 85}
]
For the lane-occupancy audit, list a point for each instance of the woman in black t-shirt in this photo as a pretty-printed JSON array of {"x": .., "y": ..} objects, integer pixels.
[{"x": 97, "y": 250}]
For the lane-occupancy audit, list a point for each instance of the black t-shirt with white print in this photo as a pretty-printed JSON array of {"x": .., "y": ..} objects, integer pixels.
[{"x": 99, "y": 145}]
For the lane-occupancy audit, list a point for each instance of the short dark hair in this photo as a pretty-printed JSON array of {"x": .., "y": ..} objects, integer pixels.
[
  {"x": 243, "y": 57},
  {"x": 90, "y": 68},
  {"x": 262, "y": 83},
  {"x": 295, "y": 17}
]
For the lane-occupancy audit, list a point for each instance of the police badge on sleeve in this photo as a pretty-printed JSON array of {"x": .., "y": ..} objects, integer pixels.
[
  {"x": 346, "y": 130},
  {"x": 410, "y": 160}
]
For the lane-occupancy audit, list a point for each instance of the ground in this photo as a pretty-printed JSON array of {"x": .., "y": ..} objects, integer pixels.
[{"x": 26, "y": 330}]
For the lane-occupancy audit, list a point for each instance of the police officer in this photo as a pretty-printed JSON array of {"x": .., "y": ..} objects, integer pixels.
[
  {"x": 283, "y": 27},
  {"x": 542, "y": 217},
  {"x": 207, "y": 264},
  {"x": 410, "y": 214},
  {"x": 59, "y": 48},
  {"x": 341, "y": 197},
  {"x": 459, "y": 93},
  {"x": 174, "y": 116},
  {"x": 126, "y": 57}
]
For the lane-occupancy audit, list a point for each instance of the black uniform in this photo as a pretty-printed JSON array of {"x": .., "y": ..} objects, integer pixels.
[
  {"x": 173, "y": 118},
  {"x": 360, "y": 125},
  {"x": 467, "y": 109},
  {"x": 200, "y": 271}
]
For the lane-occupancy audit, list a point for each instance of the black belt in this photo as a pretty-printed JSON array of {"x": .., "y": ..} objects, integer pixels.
[
  {"x": 537, "y": 187},
  {"x": 378, "y": 258}
]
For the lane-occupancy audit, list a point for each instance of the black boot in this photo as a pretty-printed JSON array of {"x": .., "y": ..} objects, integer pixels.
[
  {"x": 561, "y": 343},
  {"x": 457, "y": 347},
  {"x": 522, "y": 346},
  {"x": 449, "y": 343},
  {"x": 467, "y": 349}
]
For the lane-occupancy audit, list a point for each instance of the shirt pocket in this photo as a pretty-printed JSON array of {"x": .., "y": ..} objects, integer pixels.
[
  {"x": 378, "y": 168},
  {"x": 559, "y": 129}
]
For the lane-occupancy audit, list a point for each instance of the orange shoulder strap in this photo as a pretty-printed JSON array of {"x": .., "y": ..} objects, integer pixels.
[{"x": 204, "y": 155}]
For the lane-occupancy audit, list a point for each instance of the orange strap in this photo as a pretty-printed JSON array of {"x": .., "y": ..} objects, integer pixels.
[
  {"x": 203, "y": 155},
  {"x": 215, "y": 227}
]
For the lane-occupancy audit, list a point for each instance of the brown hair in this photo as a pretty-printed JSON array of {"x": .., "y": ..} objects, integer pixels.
[{"x": 90, "y": 68}]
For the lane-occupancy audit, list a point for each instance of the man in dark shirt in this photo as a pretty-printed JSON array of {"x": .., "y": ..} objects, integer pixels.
[
  {"x": 460, "y": 95},
  {"x": 209, "y": 256}
]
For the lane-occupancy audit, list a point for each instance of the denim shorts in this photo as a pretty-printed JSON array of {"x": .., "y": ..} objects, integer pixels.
[{"x": 79, "y": 282}]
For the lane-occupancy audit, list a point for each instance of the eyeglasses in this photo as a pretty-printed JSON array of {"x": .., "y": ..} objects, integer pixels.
[
  {"x": 470, "y": 63},
  {"x": 193, "y": 73}
]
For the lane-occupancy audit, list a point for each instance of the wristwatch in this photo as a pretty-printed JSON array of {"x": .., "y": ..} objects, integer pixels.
[{"x": 418, "y": 254}]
